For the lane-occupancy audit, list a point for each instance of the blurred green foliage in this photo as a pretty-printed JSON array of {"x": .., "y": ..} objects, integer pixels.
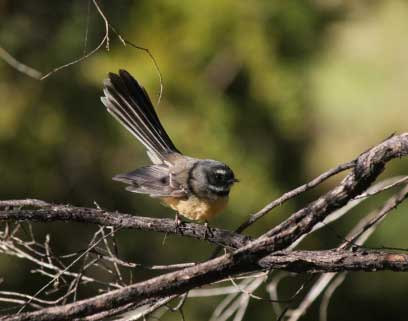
[{"x": 280, "y": 90}]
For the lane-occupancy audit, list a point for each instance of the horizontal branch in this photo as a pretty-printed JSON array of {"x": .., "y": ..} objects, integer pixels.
[
  {"x": 44, "y": 212},
  {"x": 336, "y": 261},
  {"x": 293, "y": 261}
]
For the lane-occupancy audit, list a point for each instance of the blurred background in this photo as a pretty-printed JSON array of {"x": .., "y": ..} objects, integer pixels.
[{"x": 280, "y": 90}]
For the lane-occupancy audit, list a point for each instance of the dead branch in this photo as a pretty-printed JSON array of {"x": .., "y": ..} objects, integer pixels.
[
  {"x": 45, "y": 212},
  {"x": 355, "y": 238},
  {"x": 298, "y": 261},
  {"x": 264, "y": 253},
  {"x": 33, "y": 73},
  {"x": 289, "y": 195},
  {"x": 336, "y": 261}
]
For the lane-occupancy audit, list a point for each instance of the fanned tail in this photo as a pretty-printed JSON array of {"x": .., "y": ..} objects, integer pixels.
[{"x": 130, "y": 104}]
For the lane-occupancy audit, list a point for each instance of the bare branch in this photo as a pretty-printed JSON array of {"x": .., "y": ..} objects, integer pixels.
[
  {"x": 293, "y": 193},
  {"x": 336, "y": 261},
  {"x": 289, "y": 195},
  {"x": 298, "y": 261},
  {"x": 104, "y": 41},
  {"x": 401, "y": 181},
  {"x": 328, "y": 295},
  {"x": 368, "y": 167},
  {"x": 65, "y": 270},
  {"x": 361, "y": 235},
  {"x": 8, "y": 247},
  {"x": 146, "y": 50},
  {"x": 356, "y": 237},
  {"x": 25, "y": 202},
  {"x": 51, "y": 213},
  {"x": 264, "y": 253},
  {"x": 33, "y": 73},
  {"x": 19, "y": 66},
  {"x": 344, "y": 210}
]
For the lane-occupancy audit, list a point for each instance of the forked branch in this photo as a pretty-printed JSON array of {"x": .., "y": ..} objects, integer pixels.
[{"x": 263, "y": 253}]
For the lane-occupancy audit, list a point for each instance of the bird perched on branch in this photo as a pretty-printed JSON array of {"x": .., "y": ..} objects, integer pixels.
[{"x": 195, "y": 188}]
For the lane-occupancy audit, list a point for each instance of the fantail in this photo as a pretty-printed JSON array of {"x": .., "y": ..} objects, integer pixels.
[{"x": 196, "y": 188}]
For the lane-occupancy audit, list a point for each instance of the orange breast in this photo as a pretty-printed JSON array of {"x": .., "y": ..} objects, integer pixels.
[{"x": 197, "y": 209}]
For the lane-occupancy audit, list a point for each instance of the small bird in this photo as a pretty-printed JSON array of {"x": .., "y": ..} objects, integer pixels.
[{"x": 196, "y": 188}]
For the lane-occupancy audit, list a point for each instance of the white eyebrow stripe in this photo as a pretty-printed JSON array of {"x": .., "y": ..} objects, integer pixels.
[{"x": 221, "y": 171}]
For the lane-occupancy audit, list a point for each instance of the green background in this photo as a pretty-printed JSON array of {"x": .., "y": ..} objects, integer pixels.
[{"x": 279, "y": 90}]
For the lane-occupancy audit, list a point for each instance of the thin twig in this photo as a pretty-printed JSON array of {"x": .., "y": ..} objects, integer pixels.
[
  {"x": 146, "y": 310},
  {"x": 7, "y": 247},
  {"x": 373, "y": 220},
  {"x": 356, "y": 237},
  {"x": 375, "y": 192},
  {"x": 19, "y": 66},
  {"x": 112, "y": 256},
  {"x": 88, "y": 18},
  {"x": 293, "y": 193},
  {"x": 62, "y": 272},
  {"x": 104, "y": 41},
  {"x": 328, "y": 295},
  {"x": 344, "y": 210},
  {"x": 312, "y": 294},
  {"x": 156, "y": 65}
]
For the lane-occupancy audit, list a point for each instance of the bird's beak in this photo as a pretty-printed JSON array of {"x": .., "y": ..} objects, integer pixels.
[{"x": 235, "y": 180}]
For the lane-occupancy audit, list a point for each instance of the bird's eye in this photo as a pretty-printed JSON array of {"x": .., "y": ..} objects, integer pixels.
[{"x": 218, "y": 177}]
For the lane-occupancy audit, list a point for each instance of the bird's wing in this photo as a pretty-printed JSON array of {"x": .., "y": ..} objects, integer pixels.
[{"x": 154, "y": 180}]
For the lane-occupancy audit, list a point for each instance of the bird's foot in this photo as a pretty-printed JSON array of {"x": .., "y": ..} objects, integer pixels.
[
  {"x": 177, "y": 223},
  {"x": 207, "y": 231}
]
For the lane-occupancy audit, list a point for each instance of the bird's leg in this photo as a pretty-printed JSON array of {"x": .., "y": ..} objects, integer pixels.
[
  {"x": 207, "y": 231},
  {"x": 177, "y": 222}
]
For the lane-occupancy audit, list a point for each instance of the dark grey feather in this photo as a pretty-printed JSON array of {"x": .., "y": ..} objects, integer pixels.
[
  {"x": 153, "y": 180},
  {"x": 129, "y": 103}
]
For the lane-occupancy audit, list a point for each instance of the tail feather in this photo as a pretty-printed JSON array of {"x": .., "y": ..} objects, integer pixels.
[
  {"x": 135, "y": 96},
  {"x": 124, "y": 112},
  {"x": 130, "y": 104}
]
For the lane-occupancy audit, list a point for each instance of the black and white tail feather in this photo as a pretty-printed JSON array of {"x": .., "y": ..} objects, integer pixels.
[{"x": 130, "y": 104}]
